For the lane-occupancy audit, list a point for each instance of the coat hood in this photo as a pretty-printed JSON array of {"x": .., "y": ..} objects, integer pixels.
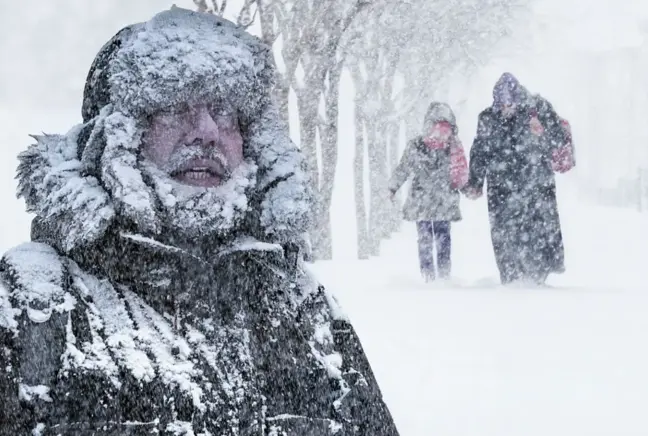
[
  {"x": 508, "y": 90},
  {"x": 81, "y": 183},
  {"x": 438, "y": 111}
]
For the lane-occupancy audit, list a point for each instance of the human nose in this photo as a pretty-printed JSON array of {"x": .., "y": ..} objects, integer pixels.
[{"x": 204, "y": 128}]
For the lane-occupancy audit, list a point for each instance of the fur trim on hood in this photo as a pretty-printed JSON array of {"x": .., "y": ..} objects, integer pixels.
[{"x": 80, "y": 183}]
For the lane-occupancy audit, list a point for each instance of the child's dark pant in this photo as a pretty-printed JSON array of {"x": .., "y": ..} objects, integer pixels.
[{"x": 431, "y": 234}]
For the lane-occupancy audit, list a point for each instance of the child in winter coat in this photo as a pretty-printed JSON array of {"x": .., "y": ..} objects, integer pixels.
[{"x": 437, "y": 164}]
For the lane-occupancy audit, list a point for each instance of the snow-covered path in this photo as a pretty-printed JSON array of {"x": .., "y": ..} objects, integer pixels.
[{"x": 477, "y": 359}]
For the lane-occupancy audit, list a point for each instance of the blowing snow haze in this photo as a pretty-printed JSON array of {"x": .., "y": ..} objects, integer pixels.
[{"x": 160, "y": 281}]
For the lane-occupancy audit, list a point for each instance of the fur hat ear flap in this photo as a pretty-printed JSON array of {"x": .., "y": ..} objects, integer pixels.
[
  {"x": 73, "y": 204},
  {"x": 132, "y": 197},
  {"x": 91, "y": 143},
  {"x": 110, "y": 154},
  {"x": 286, "y": 192},
  {"x": 77, "y": 184}
]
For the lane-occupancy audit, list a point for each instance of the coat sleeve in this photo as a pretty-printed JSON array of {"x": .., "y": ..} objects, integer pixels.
[
  {"x": 29, "y": 359},
  {"x": 403, "y": 169},
  {"x": 14, "y": 418},
  {"x": 480, "y": 153},
  {"x": 358, "y": 402},
  {"x": 365, "y": 405},
  {"x": 563, "y": 158},
  {"x": 551, "y": 121},
  {"x": 33, "y": 321}
]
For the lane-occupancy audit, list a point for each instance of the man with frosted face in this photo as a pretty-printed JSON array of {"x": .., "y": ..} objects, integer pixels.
[{"x": 163, "y": 291}]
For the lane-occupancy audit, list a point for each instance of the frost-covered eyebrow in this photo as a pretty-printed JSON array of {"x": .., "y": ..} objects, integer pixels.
[
  {"x": 175, "y": 109},
  {"x": 215, "y": 108},
  {"x": 221, "y": 108}
]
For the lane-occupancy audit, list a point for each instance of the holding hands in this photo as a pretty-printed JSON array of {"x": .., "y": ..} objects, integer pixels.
[{"x": 471, "y": 192}]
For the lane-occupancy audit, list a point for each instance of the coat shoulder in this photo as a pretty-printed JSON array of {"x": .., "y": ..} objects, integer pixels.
[
  {"x": 486, "y": 115},
  {"x": 485, "y": 120},
  {"x": 541, "y": 104},
  {"x": 316, "y": 300},
  {"x": 414, "y": 142}
]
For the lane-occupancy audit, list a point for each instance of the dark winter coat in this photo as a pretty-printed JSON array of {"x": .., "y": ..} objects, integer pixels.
[
  {"x": 516, "y": 163},
  {"x": 431, "y": 196},
  {"x": 135, "y": 337},
  {"x": 112, "y": 325}
]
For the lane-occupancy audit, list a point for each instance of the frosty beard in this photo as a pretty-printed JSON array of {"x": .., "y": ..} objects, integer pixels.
[{"x": 193, "y": 212}]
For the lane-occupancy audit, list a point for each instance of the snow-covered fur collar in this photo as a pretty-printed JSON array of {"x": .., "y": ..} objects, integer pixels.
[{"x": 81, "y": 183}]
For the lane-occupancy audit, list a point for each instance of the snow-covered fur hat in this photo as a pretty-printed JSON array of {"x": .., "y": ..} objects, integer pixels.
[{"x": 81, "y": 183}]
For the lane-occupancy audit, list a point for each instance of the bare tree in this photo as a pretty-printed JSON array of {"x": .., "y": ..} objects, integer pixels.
[
  {"x": 363, "y": 242},
  {"x": 373, "y": 61},
  {"x": 246, "y": 14},
  {"x": 309, "y": 34},
  {"x": 420, "y": 41},
  {"x": 465, "y": 35},
  {"x": 214, "y": 6}
]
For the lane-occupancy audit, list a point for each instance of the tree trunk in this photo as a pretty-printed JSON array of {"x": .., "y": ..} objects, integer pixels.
[
  {"x": 391, "y": 135},
  {"x": 329, "y": 153},
  {"x": 307, "y": 103},
  {"x": 362, "y": 234},
  {"x": 378, "y": 198},
  {"x": 393, "y": 138},
  {"x": 358, "y": 185}
]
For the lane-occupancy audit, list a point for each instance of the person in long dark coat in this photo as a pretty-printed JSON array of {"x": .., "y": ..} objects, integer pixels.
[
  {"x": 164, "y": 290},
  {"x": 517, "y": 138}
]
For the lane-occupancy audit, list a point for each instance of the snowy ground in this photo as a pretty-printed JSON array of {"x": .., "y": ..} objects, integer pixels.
[{"x": 477, "y": 359}]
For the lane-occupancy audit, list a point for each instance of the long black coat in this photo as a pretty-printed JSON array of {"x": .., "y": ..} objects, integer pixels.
[{"x": 521, "y": 188}]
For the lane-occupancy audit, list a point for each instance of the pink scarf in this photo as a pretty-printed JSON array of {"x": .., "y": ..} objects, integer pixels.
[{"x": 441, "y": 137}]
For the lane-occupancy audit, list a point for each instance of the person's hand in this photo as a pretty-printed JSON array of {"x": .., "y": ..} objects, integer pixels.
[{"x": 472, "y": 192}]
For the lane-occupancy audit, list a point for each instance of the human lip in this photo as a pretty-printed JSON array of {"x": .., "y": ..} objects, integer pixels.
[
  {"x": 205, "y": 167},
  {"x": 202, "y": 172}
]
